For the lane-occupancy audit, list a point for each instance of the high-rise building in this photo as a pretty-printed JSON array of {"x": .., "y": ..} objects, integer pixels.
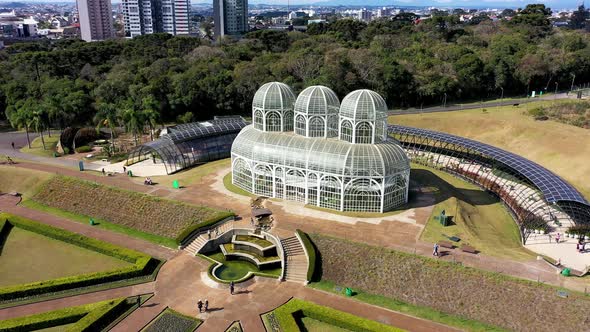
[
  {"x": 96, "y": 21},
  {"x": 230, "y": 16},
  {"x": 151, "y": 16}
]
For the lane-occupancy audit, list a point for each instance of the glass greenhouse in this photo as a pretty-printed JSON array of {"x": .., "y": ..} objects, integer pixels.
[
  {"x": 189, "y": 144},
  {"x": 337, "y": 156}
]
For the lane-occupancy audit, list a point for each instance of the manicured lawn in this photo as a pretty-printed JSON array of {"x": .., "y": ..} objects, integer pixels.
[
  {"x": 314, "y": 325},
  {"x": 60, "y": 328},
  {"x": 29, "y": 257},
  {"x": 410, "y": 309},
  {"x": 192, "y": 176},
  {"x": 253, "y": 239},
  {"x": 24, "y": 181},
  {"x": 562, "y": 148},
  {"x": 37, "y": 145},
  {"x": 478, "y": 218}
]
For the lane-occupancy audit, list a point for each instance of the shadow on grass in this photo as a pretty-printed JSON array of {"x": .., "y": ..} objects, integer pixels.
[{"x": 424, "y": 182}]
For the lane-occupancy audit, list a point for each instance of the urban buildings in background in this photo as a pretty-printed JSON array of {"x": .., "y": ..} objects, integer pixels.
[
  {"x": 96, "y": 20},
  {"x": 151, "y": 16},
  {"x": 230, "y": 17}
]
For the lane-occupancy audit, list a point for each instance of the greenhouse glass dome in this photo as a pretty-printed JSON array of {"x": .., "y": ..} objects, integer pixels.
[{"x": 324, "y": 165}]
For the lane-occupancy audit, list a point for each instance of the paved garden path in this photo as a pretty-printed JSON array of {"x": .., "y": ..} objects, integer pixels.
[{"x": 179, "y": 286}]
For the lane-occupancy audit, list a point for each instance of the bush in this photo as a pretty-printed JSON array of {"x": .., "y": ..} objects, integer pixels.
[
  {"x": 310, "y": 252},
  {"x": 84, "y": 148},
  {"x": 142, "y": 264},
  {"x": 66, "y": 150},
  {"x": 295, "y": 308},
  {"x": 85, "y": 317},
  {"x": 170, "y": 320},
  {"x": 537, "y": 111},
  {"x": 583, "y": 230}
]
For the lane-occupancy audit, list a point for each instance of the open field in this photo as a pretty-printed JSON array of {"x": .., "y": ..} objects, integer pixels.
[
  {"x": 478, "y": 218},
  {"x": 562, "y": 148},
  {"x": 28, "y": 257},
  {"x": 487, "y": 297},
  {"x": 21, "y": 180},
  {"x": 134, "y": 210},
  {"x": 37, "y": 146}
]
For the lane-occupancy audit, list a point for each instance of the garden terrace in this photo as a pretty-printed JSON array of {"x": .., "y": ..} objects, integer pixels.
[
  {"x": 189, "y": 144},
  {"x": 291, "y": 316},
  {"x": 450, "y": 288},
  {"x": 138, "y": 265},
  {"x": 170, "y": 320},
  {"x": 231, "y": 252},
  {"x": 161, "y": 217},
  {"x": 257, "y": 245},
  {"x": 534, "y": 194}
]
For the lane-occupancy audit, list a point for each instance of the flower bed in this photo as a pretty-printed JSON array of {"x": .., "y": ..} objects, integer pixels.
[
  {"x": 495, "y": 299},
  {"x": 170, "y": 320},
  {"x": 134, "y": 210}
]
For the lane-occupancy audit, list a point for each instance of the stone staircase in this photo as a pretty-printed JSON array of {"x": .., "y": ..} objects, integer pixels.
[
  {"x": 296, "y": 262},
  {"x": 198, "y": 240}
]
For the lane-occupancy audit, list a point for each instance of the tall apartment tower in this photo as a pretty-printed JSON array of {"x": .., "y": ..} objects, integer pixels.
[
  {"x": 230, "y": 17},
  {"x": 151, "y": 16},
  {"x": 96, "y": 19}
]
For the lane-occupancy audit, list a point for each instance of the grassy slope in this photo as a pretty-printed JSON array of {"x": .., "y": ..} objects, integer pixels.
[
  {"x": 100, "y": 223},
  {"x": 37, "y": 146},
  {"x": 21, "y": 180},
  {"x": 29, "y": 257},
  {"x": 479, "y": 219},
  {"x": 406, "y": 308},
  {"x": 233, "y": 188},
  {"x": 562, "y": 148}
]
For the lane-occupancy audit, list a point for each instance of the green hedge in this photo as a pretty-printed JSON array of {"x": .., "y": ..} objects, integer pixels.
[
  {"x": 311, "y": 254},
  {"x": 205, "y": 224},
  {"x": 83, "y": 316},
  {"x": 288, "y": 314},
  {"x": 97, "y": 319},
  {"x": 142, "y": 264}
]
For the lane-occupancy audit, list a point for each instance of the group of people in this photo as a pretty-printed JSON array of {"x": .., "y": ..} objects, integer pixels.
[
  {"x": 148, "y": 181},
  {"x": 216, "y": 232},
  {"x": 581, "y": 245},
  {"x": 203, "y": 305}
]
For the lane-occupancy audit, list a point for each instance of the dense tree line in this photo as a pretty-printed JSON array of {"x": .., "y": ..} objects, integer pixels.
[{"x": 159, "y": 78}]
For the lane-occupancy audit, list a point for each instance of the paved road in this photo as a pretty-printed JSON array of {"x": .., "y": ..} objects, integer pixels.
[
  {"x": 460, "y": 107},
  {"x": 20, "y": 140}
]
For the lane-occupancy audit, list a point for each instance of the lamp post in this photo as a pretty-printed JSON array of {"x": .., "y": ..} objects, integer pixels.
[
  {"x": 556, "y": 85},
  {"x": 445, "y": 101},
  {"x": 502, "y": 96}
]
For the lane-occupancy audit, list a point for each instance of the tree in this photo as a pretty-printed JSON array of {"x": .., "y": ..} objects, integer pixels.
[
  {"x": 579, "y": 18},
  {"x": 133, "y": 119},
  {"x": 150, "y": 113},
  {"x": 20, "y": 115},
  {"x": 106, "y": 117},
  {"x": 37, "y": 121}
]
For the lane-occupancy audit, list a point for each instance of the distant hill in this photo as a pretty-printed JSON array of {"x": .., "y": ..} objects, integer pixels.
[{"x": 12, "y": 4}]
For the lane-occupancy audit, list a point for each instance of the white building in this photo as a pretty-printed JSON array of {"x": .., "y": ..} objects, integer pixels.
[
  {"x": 151, "y": 16},
  {"x": 317, "y": 151},
  {"x": 364, "y": 15}
]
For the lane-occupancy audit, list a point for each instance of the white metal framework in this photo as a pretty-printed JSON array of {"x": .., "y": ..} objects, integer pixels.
[{"x": 312, "y": 165}]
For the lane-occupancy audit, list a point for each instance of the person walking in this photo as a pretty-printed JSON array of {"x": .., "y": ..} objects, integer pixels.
[
  {"x": 206, "y": 305},
  {"x": 557, "y": 238},
  {"x": 124, "y": 169},
  {"x": 435, "y": 250},
  {"x": 217, "y": 232},
  {"x": 549, "y": 235},
  {"x": 209, "y": 233},
  {"x": 200, "y": 305},
  {"x": 103, "y": 173},
  {"x": 231, "y": 287},
  {"x": 12, "y": 145}
]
